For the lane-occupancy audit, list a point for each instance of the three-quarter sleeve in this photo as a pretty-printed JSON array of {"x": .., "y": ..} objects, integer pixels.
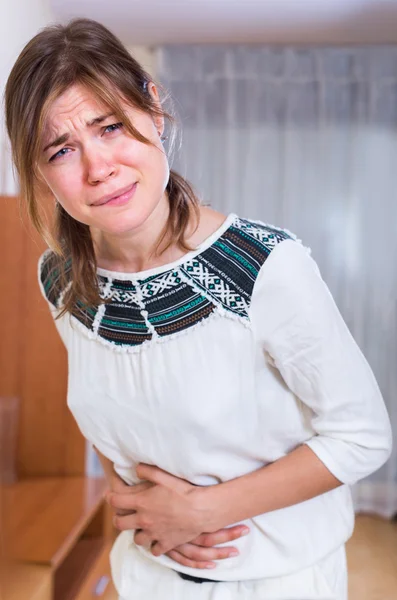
[{"x": 298, "y": 324}]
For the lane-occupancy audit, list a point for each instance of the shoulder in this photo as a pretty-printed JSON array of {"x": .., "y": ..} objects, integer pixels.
[
  {"x": 256, "y": 236},
  {"x": 290, "y": 299},
  {"x": 279, "y": 265},
  {"x": 248, "y": 245},
  {"x": 54, "y": 274},
  {"x": 229, "y": 268}
]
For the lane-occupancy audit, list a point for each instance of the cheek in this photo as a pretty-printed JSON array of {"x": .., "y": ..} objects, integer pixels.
[
  {"x": 155, "y": 168},
  {"x": 149, "y": 160},
  {"x": 67, "y": 190}
]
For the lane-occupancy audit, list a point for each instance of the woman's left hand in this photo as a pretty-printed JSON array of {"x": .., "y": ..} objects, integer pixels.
[{"x": 169, "y": 511}]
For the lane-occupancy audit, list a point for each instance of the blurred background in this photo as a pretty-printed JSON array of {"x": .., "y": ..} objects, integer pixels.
[{"x": 288, "y": 114}]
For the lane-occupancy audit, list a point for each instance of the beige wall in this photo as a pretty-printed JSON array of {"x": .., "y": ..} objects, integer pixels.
[
  {"x": 20, "y": 20},
  {"x": 147, "y": 57}
]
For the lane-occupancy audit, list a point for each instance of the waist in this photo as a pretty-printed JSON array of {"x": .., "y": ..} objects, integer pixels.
[{"x": 283, "y": 541}]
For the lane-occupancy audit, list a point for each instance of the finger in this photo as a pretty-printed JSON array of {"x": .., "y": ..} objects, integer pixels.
[
  {"x": 141, "y": 538},
  {"x": 129, "y": 490},
  {"x": 116, "y": 485},
  {"x": 127, "y": 500},
  {"x": 138, "y": 488},
  {"x": 126, "y": 522},
  {"x": 122, "y": 512},
  {"x": 187, "y": 562},
  {"x": 157, "y": 548},
  {"x": 222, "y": 536},
  {"x": 206, "y": 554}
]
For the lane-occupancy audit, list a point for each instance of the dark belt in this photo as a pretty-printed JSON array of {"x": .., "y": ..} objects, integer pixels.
[{"x": 196, "y": 579}]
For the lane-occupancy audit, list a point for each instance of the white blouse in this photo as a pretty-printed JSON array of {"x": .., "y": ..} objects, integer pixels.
[{"x": 218, "y": 364}]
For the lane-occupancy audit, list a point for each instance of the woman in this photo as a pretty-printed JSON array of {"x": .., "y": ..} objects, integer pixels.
[{"x": 208, "y": 363}]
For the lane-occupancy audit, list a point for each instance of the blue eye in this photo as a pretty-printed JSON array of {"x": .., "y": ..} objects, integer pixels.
[
  {"x": 58, "y": 154},
  {"x": 114, "y": 127},
  {"x": 107, "y": 129}
]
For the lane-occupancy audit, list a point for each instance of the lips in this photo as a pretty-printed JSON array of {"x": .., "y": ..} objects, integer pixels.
[{"x": 113, "y": 195}]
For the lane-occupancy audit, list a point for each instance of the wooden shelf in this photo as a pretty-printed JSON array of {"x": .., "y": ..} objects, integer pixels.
[
  {"x": 81, "y": 572},
  {"x": 57, "y": 539},
  {"x": 25, "y": 582},
  {"x": 46, "y": 515}
]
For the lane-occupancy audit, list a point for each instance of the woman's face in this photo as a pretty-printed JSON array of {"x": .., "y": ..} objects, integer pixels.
[{"x": 97, "y": 171}]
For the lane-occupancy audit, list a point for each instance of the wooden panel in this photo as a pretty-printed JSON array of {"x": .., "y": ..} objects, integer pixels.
[
  {"x": 46, "y": 516},
  {"x": 49, "y": 434},
  {"x": 25, "y": 582},
  {"x": 85, "y": 574},
  {"x": 12, "y": 249},
  {"x": 33, "y": 362},
  {"x": 99, "y": 582}
]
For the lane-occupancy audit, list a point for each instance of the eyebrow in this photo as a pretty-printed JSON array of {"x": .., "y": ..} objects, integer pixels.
[{"x": 65, "y": 136}]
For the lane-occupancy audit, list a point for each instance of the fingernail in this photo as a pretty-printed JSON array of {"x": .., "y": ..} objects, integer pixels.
[
  {"x": 234, "y": 553},
  {"x": 210, "y": 566},
  {"x": 245, "y": 532}
]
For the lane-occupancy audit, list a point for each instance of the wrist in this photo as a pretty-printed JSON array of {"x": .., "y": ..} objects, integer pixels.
[{"x": 208, "y": 507}]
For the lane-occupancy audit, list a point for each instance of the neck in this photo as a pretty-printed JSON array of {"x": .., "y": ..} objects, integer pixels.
[
  {"x": 137, "y": 250},
  {"x": 132, "y": 250}
]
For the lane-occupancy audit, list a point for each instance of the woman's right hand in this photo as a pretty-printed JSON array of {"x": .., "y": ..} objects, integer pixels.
[{"x": 201, "y": 552}]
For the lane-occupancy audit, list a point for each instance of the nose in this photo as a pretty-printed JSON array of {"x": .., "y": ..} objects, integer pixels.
[{"x": 99, "y": 166}]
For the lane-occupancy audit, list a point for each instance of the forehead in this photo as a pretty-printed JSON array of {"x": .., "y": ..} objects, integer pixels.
[{"x": 76, "y": 101}]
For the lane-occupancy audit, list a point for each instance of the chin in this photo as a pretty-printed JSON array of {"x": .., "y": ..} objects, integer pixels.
[{"x": 123, "y": 224}]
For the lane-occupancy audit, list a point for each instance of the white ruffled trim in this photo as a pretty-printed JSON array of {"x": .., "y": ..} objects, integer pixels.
[
  {"x": 39, "y": 270},
  {"x": 106, "y": 293},
  {"x": 144, "y": 312},
  {"x": 62, "y": 295},
  {"x": 98, "y": 318}
]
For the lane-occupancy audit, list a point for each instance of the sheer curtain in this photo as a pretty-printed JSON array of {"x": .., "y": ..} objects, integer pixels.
[{"x": 305, "y": 138}]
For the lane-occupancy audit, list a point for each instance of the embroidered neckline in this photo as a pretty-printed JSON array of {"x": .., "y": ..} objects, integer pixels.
[
  {"x": 141, "y": 275},
  {"x": 217, "y": 279}
]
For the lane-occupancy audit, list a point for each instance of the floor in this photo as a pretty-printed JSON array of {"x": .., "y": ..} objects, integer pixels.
[{"x": 372, "y": 561}]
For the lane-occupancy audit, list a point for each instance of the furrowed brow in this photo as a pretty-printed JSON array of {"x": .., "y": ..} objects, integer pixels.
[
  {"x": 98, "y": 120},
  {"x": 57, "y": 142},
  {"x": 64, "y": 137}
]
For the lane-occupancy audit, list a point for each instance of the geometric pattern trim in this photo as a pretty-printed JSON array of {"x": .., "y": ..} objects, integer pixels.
[{"x": 221, "y": 277}]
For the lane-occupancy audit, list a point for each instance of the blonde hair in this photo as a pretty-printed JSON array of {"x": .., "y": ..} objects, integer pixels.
[{"x": 82, "y": 52}]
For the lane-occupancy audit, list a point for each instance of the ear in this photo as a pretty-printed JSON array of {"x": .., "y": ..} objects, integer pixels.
[{"x": 158, "y": 119}]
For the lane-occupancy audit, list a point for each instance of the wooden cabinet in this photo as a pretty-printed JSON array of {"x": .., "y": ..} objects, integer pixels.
[
  {"x": 20, "y": 581},
  {"x": 55, "y": 528},
  {"x": 57, "y": 538},
  {"x": 33, "y": 361}
]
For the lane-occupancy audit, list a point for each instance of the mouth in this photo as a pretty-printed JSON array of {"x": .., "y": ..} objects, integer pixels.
[{"x": 117, "y": 197}]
